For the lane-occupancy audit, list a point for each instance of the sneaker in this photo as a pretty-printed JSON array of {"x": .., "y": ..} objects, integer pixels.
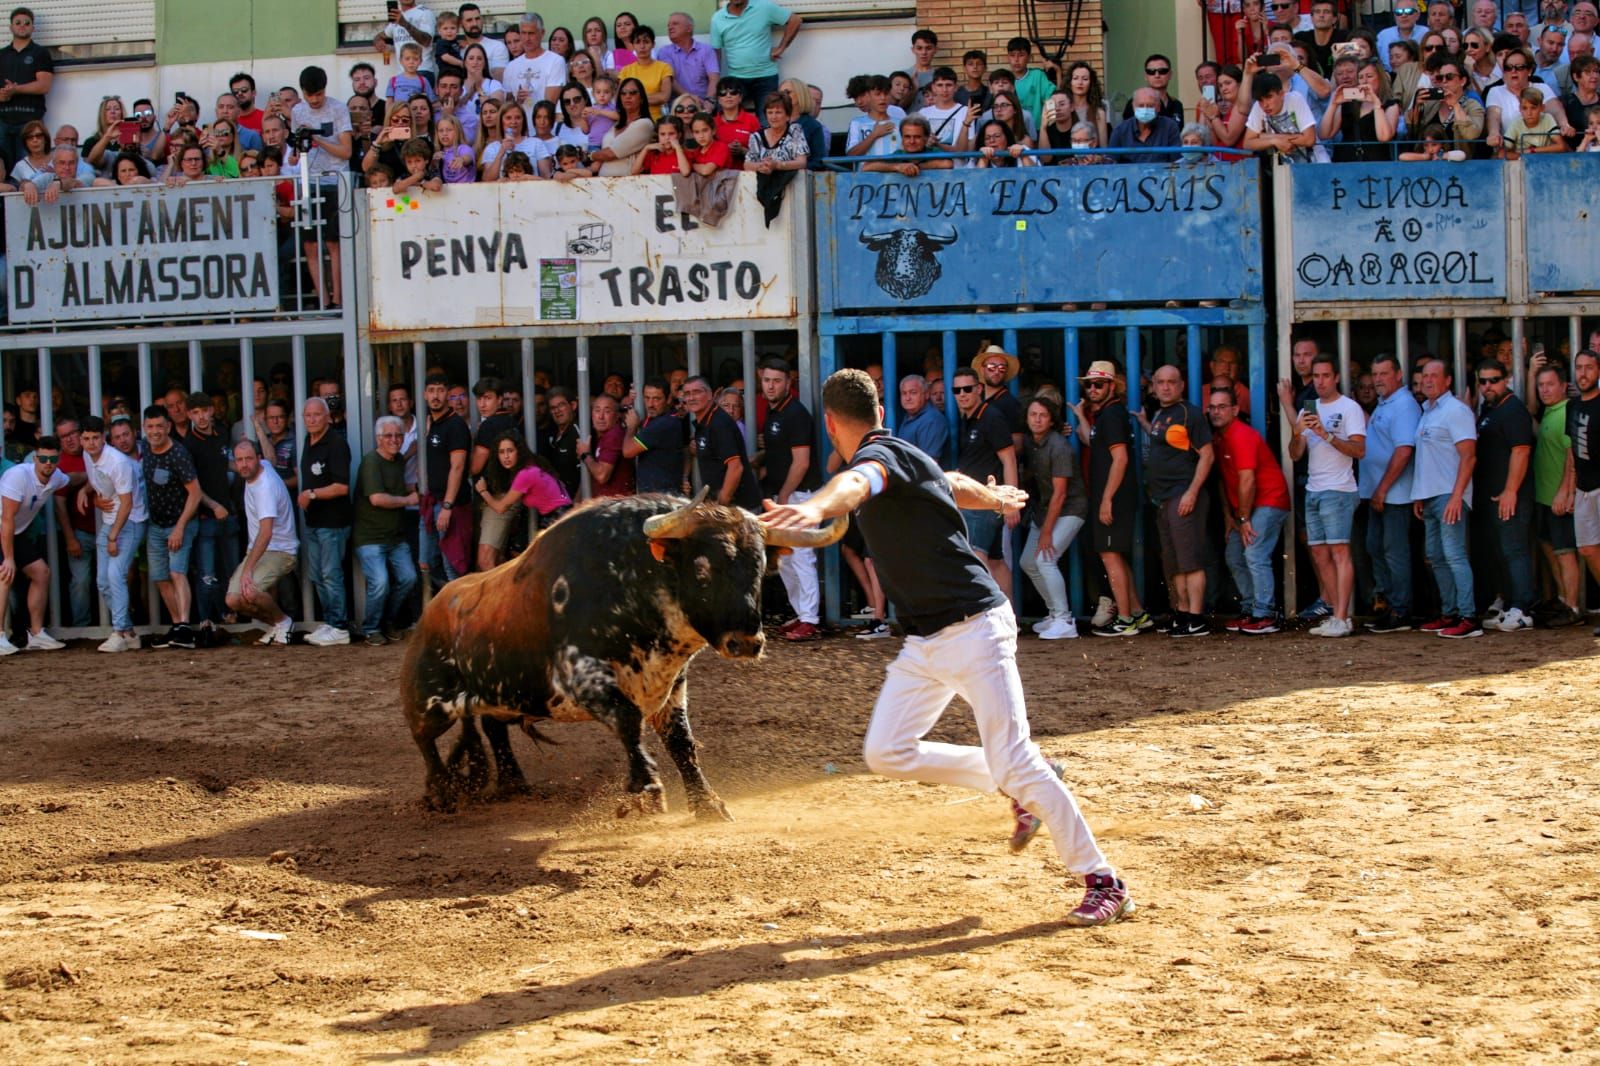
[
  {"x": 1256, "y": 627},
  {"x": 1389, "y": 622},
  {"x": 878, "y": 630},
  {"x": 802, "y": 631},
  {"x": 1234, "y": 625},
  {"x": 1060, "y": 629},
  {"x": 181, "y": 636},
  {"x": 6, "y": 647},
  {"x": 1333, "y": 627},
  {"x": 786, "y": 626},
  {"x": 1127, "y": 627},
  {"x": 1492, "y": 615},
  {"x": 1196, "y": 627},
  {"x": 1104, "y": 613},
  {"x": 865, "y": 613},
  {"x": 1043, "y": 624},
  {"x": 1318, "y": 610},
  {"x": 1465, "y": 626},
  {"x": 1106, "y": 901},
  {"x": 1444, "y": 621},
  {"x": 116, "y": 642},
  {"x": 376, "y": 640},
  {"x": 1565, "y": 616},
  {"x": 1512, "y": 621},
  {"x": 326, "y": 636},
  {"x": 278, "y": 634},
  {"x": 159, "y": 640},
  {"x": 1027, "y": 823},
  {"x": 43, "y": 641}
]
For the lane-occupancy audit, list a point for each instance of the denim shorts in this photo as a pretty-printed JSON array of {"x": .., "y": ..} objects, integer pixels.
[
  {"x": 983, "y": 531},
  {"x": 164, "y": 563},
  {"x": 1329, "y": 516}
]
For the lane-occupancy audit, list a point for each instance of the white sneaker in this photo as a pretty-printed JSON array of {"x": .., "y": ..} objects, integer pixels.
[
  {"x": 1492, "y": 615},
  {"x": 6, "y": 647},
  {"x": 1511, "y": 621},
  {"x": 327, "y": 636},
  {"x": 278, "y": 634},
  {"x": 43, "y": 641},
  {"x": 1044, "y": 623},
  {"x": 1104, "y": 613},
  {"x": 1060, "y": 629},
  {"x": 117, "y": 642},
  {"x": 1333, "y": 627},
  {"x": 865, "y": 612}
]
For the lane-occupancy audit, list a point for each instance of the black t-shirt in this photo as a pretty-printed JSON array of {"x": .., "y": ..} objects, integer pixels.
[
  {"x": 659, "y": 468},
  {"x": 1010, "y": 409},
  {"x": 717, "y": 442},
  {"x": 1583, "y": 427},
  {"x": 323, "y": 463},
  {"x": 445, "y": 435},
  {"x": 788, "y": 427},
  {"x": 490, "y": 429},
  {"x": 1112, "y": 426},
  {"x": 165, "y": 479},
  {"x": 211, "y": 455},
  {"x": 982, "y": 438},
  {"x": 21, "y": 68},
  {"x": 561, "y": 449},
  {"x": 1504, "y": 426},
  {"x": 918, "y": 539},
  {"x": 1321, "y": 55},
  {"x": 1176, "y": 435}
]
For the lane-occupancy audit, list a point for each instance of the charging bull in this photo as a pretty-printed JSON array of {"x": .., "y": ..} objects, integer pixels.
[
  {"x": 908, "y": 263},
  {"x": 597, "y": 620}
]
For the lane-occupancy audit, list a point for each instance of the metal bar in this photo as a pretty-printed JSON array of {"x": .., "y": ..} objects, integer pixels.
[
  {"x": 47, "y": 424},
  {"x": 1458, "y": 341},
  {"x": 1574, "y": 336},
  {"x": 1283, "y": 223},
  {"x": 1256, "y": 363},
  {"x": 810, "y": 387},
  {"x": 1402, "y": 345},
  {"x": 891, "y": 382},
  {"x": 1069, "y": 375},
  {"x": 97, "y": 408},
  {"x": 1132, "y": 369},
  {"x": 636, "y": 357},
  {"x": 1008, "y": 341},
  {"x": 146, "y": 391},
  {"x": 1191, "y": 344},
  {"x": 247, "y": 387},
  {"x": 419, "y": 375},
  {"x": 297, "y": 358},
  {"x": 1157, "y": 317},
  {"x": 747, "y": 352},
  {"x": 197, "y": 366},
  {"x": 474, "y": 373},
  {"x": 263, "y": 329},
  {"x": 1342, "y": 331},
  {"x": 691, "y": 352},
  {"x": 951, "y": 414},
  {"x": 1519, "y": 354},
  {"x": 530, "y": 426},
  {"x": 583, "y": 411},
  {"x": 832, "y": 592}
]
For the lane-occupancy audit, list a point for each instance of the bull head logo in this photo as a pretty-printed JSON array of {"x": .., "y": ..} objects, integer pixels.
[{"x": 908, "y": 263}]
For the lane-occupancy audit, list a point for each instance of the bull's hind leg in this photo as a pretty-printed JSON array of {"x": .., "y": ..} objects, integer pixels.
[
  {"x": 468, "y": 764},
  {"x": 673, "y": 726},
  {"x": 508, "y": 779},
  {"x": 592, "y": 685}
]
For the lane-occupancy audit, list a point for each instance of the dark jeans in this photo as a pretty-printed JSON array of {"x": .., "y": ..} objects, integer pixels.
[
  {"x": 1389, "y": 549},
  {"x": 755, "y": 90},
  {"x": 1510, "y": 543},
  {"x": 11, "y": 141},
  {"x": 216, "y": 558}
]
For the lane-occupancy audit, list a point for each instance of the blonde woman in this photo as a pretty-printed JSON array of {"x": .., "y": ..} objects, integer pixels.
[{"x": 102, "y": 152}]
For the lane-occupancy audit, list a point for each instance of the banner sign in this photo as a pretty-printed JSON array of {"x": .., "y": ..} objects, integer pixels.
[
  {"x": 1040, "y": 235},
  {"x": 1563, "y": 222},
  {"x": 599, "y": 250},
  {"x": 1399, "y": 231},
  {"x": 210, "y": 248}
]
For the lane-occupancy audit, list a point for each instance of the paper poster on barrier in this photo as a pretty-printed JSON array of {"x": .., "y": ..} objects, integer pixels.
[
  {"x": 120, "y": 254},
  {"x": 558, "y": 290},
  {"x": 473, "y": 256}
]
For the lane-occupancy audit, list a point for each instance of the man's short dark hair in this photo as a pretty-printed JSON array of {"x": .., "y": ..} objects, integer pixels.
[
  {"x": 851, "y": 395},
  {"x": 1506, "y": 42},
  {"x": 1225, "y": 390},
  {"x": 925, "y": 35},
  {"x": 658, "y": 383},
  {"x": 1019, "y": 44},
  {"x": 244, "y": 77},
  {"x": 975, "y": 53},
  {"x": 461, "y": 12},
  {"x": 437, "y": 379},
  {"x": 964, "y": 372},
  {"x": 943, "y": 74},
  {"x": 561, "y": 392},
  {"x": 1002, "y": 74},
  {"x": 1325, "y": 359},
  {"x": 1155, "y": 57},
  {"x": 92, "y": 424},
  {"x": 1556, "y": 367},
  {"x": 1387, "y": 357},
  {"x": 313, "y": 79},
  {"x": 774, "y": 362},
  {"x": 456, "y": 74},
  {"x": 1489, "y": 363},
  {"x": 22, "y": 11},
  {"x": 364, "y": 65},
  {"x": 49, "y": 440},
  {"x": 155, "y": 410},
  {"x": 198, "y": 399},
  {"x": 1265, "y": 83},
  {"x": 486, "y": 386}
]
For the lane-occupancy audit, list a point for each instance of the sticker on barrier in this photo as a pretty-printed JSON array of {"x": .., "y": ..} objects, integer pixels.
[
  {"x": 1041, "y": 235},
  {"x": 481, "y": 255},
  {"x": 1399, "y": 231},
  {"x": 127, "y": 253}
]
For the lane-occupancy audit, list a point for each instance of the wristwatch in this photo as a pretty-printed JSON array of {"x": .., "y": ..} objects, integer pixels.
[{"x": 448, "y": 505}]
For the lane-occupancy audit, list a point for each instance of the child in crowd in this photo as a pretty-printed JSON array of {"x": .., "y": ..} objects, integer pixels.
[
  {"x": 1534, "y": 130},
  {"x": 924, "y": 46},
  {"x": 602, "y": 115},
  {"x": 667, "y": 155},
  {"x": 380, "y": 177},
  {"x": 876, "y": 131},
  {"x": 1591, "y": 136},
  {"x": 518, "y": 167},
  {"x": 420, "y": 171},
  {"x": 447, "y": 45},
  {"x": 1431, "y": 148},
  {"x": 708, "y": 155},
  {"x": 903, "y": 92},
  {"x": 455, "y": 159},
  {"x": 975, "y": 84},
  {"x": 409, "y": 82},
  {"x": 571, "y": 164}
]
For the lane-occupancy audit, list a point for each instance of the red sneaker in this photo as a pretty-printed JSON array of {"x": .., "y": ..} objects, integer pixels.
[
  {"x": 1106, "y": 901},
  {"x": 1259, "y": 626},
  {"x": 1463, "y": 627},
  {"x": 800, "y": 631},
  {"x": 1234, "y": 625},
  {"x": 1442, "y": 622}
]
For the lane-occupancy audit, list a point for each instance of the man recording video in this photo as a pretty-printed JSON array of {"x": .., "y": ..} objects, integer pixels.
[{"x": 322, "y": 125}]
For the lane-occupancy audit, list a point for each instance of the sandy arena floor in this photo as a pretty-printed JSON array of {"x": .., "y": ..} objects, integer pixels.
[{"x": 1394, "y": 856}]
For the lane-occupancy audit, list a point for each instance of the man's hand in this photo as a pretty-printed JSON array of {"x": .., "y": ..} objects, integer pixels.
[
  {"x": 1452, "y": 511},
  {"x": 104, "y": 503},
  {"x": 1186, "y": 504},
  {"x": 1379, "y": 495},
  {"x": 1247, "y": 532},
  {"x": 111, "y": 546},
  {"x": 1508, "y": 505},
  {"x": 247, "y": 584},
  {"x": 1012, "y": 500},
  {"x": 583, "y": 447},
  {"x": 304, "y": 499},
  {"x": 910, "y": 170},
  {"x": 1105, "y": 512},
  {"x": 175, "y": 538},
  {"x": 8, "y": 572},
  {"x": 790, "y": 515},
  {"x": 442, "y": 523},
  {"x": 219, "y": 512},
  {"x": 630, "y": 419},
  {"x": 74, "y": 549},
  {"x": 1562, "y": 504}
]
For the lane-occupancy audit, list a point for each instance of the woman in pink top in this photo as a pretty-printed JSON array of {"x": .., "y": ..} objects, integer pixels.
[{"x": 519, "y": 479}]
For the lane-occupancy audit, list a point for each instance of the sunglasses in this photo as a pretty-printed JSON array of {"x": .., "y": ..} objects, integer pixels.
[
  {"x": 1446, "y": 77},
  {"x": 46, "y": 460},
  {"x": 572, "y": 99},
  {"x": 1432, "y": 47},
  {"x": 730, "y": 92},
  {"x": 1491, "y": 381},
  {"x": 1097, "y": 384},
  {"x": 683, "y": 109},
  {"x": 962, "y": 388},
  {"x": 1405, "y": 11},
  {"x": 1474, "y": 46},
  {"x": 1157, "y": 71},
  {"x": 1510, "y": 69}
]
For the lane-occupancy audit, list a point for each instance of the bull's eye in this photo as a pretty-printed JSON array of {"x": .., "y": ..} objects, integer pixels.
[
  {"x": 560, "y": 592},
  {"x": 702, "y": 569}
]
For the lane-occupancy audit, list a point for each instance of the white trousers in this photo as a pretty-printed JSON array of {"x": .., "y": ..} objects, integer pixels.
[
  {"x": 798, "y": 570},
  {"x": 977, "y": 660}
]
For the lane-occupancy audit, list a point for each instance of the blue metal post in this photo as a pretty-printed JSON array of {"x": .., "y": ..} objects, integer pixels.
[
  {"x": 1257, "y": 361},
  {"x": 1196, "y": 386},
  {"x": 891, "y": 383},
  {"x": 951, "y": 414},
  {"x": 1070, "y": 372},
  {"x": 1132, "y": 370},
  {"x": 1008, "y": 341},
  {"x": 827, "y": 362}
]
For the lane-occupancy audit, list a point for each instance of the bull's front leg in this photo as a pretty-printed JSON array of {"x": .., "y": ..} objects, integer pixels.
[
  {"x": 508, "y": 779},
  {"x": 673, "y": 727},
  {"x": 592, "y": 685}
]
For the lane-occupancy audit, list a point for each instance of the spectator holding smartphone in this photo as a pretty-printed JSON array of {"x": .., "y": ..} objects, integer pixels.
[{"x": 408, "y": 24}]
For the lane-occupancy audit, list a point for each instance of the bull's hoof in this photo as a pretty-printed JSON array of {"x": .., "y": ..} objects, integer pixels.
[
  {"x": 441, "y": 798},
  {"x": 508, "y": 789},
  {"x": 710, "y": 808},
  {"x": 652, "y": 799}
]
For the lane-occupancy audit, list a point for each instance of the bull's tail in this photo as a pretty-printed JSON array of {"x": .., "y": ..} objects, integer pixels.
[{"x": 535, "y": 735}]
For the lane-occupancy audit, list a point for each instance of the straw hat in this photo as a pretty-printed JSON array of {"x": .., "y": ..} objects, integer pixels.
[
  {"x": 1013, "y": 364},
  {"x": 1100, "y": 370}
]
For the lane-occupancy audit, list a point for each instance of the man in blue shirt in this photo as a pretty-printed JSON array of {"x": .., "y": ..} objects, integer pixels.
[
  {"x": 743, "y": 31},
  {"x": 923, "y": 426},
  {"x": 1441, "y": 490},
  {"x": 1148, "y": 128},
  {"x": 1384, "y": 475}
]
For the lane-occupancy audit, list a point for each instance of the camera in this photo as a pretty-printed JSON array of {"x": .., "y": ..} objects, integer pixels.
[
  {"x": 303, "y": 138},
  {"x": 1268, "y": 59},
  {"x": 335, "y": 404},
  {"x": 1431, "y": 94}
]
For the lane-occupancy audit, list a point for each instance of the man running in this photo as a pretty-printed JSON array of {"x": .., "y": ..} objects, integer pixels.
[{"x": 961, "y": 636}]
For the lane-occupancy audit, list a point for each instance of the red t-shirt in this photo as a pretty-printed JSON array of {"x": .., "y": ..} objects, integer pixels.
[
  {"x": 715, "y": 152},
  {"x": 252, "y": 121},
  {"x": 1241, "y": 448},
  {"x": 73, "y": 464},
  {"x": 739, "y": 130},
  {"x": 658, "y": 162},
  {"x": 608, "y": 449}
]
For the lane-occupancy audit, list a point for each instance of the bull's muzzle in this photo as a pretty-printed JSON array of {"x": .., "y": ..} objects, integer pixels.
[{"x": 743, "y": 645}]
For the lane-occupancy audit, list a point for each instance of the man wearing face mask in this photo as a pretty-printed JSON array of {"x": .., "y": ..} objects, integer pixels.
[{"x": 1146, "y": 129}]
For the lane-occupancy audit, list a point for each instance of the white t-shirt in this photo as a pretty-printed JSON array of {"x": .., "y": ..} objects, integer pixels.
[
  {"x": 549, "y": 71},
  {"x": 321, "y": 163},
  {"x": 861, "y": 128},
  {"x": 266, "y": 497},
  {"x": 20, "y": 483},
  {"x": 495, "y": 50},
  {"x": 110, "y": 477},
  {"x": 1294, "y": 117},
  {"x": 1511, "y": 107},
  {"x": 1327, "y": 468},
  {"x": 425, "y": 21},
  {"x": 945, "y": 121},
  {"x": 532, "y": 147}
]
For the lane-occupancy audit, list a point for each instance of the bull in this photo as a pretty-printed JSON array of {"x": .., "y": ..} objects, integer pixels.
[
  {"x": 908, "y": 262},
  {"x": 597, "y": 620}
]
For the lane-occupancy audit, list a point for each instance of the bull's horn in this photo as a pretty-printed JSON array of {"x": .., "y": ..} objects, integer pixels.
[
  {"x": 675, "y": 524},
  {"x": 807, "y": 538}
]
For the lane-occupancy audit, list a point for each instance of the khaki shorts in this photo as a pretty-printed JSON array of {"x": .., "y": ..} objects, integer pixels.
[
  {"x": 272, "y": 568},
  {"x": 494, "y": 527}
]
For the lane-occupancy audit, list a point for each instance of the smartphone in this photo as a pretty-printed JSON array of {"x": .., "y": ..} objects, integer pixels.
[
  {"x": 1346, "y": 48},
  {"x": 127, "y": 134},
  {"x": 1209, "y": 92},
  {"x": 1350, "y": 96},
  {"x": 1268, "y": 59},
  {"x": 393, "y": 5}
]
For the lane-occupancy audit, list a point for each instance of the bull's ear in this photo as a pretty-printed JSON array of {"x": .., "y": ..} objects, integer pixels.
[
  {"x": 658, "y": 548},
  {"x": 781, "y": 552}
]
